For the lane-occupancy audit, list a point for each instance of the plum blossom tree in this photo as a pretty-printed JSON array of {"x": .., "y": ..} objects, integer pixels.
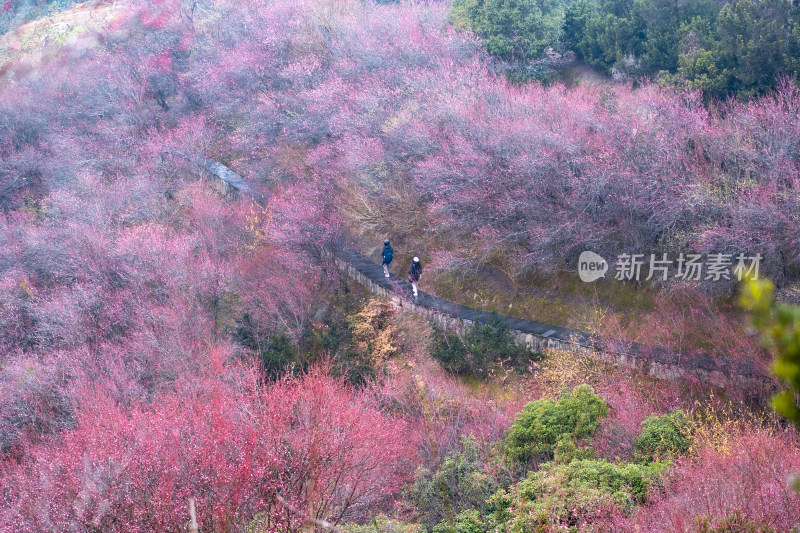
[
  {"x": 233, "y": 447},
  {"x": 123, "y": 276},
  {"x": 749, "y": 476}
]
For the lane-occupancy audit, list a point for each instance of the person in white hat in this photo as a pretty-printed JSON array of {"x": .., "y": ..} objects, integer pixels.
[{"x": 414, "y": 273}]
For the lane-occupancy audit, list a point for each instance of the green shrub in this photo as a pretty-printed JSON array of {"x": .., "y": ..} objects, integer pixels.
[
  {"x": 275, "y": 352},
  {"x": 452, "y": 354},
  {"x": 663, "y": 436},
  {"x": 460, "y": 484},
  {"x": 735, "y": 523},
  {"x": 466, "y": 522},
  {"x": 571, "y": 496},
  {"x": 567, "y": 451},
  {"x": 354, "y": 338},
  {"x": 542, "y": 424},
  {"x": 382, "y": 524},
  {"x": 280, "y": 355},
  {"x": 534, "y": 71},
  {"x": 474, "y": 352},
  {"x": 722, "y": 48},
  {"x": 493, "y": 342},
  {"x": 512, "y": 29},
  {"x": 740, "y": 47}
]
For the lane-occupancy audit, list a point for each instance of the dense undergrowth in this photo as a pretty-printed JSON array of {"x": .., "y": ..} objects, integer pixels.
[{"x": 161, "y": 342}]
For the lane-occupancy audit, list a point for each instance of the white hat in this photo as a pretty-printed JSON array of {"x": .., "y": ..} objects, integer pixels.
[{"x": 416, "y": 259}]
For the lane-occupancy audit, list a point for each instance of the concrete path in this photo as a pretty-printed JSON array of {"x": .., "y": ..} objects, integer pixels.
[{"x": 656, "y": 362}]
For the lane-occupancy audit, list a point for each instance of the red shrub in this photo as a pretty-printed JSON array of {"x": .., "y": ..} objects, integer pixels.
[
  {"x": 326, "y": 449},
  {"x": 628, "y": 407},
  {"x": 447, "y": 410},
  {"x": 752, "y": 475}
]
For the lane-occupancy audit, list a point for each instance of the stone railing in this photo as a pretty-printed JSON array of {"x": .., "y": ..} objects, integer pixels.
[{"x": 659, "y": 363}]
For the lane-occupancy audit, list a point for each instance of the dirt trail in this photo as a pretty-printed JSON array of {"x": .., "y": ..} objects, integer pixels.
[{"x": 580, "y": 74}]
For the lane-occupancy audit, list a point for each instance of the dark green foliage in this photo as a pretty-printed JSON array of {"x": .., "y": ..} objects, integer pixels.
[
  {"x": 279, "y": 356},
  {"x": 329, "y": 337},
  {"x": 511, "y": 29},
  {"x": 357, "y": 371},
  {"x": 536, "y": 71},
  {"x": 739, "y": 48},
  {"x": 542, "y": 424},
  {"x": 631, "y": 37},
  {"x": 460, "y": 484},
  {"x": 275, "y": 351},
  {"x": 493, "y": 342},
  {"x": 331, "y": 340},
  {"x": 451, "y": 352},
  {"x": 612, "y": 43},
  {"x": 483, "y": 345},
  {"x": 572, "y": 495},
  {"x": 336, "y": 341},
  {"x": 576, "y": 16},
  {"x": 763, "y": 38},
  {"x": 703, "y": 62},
  {"x": 663, "y": 437},
  {"x": 735, "y": 523}
]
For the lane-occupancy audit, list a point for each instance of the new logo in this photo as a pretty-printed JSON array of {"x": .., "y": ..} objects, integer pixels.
[{"x": 591, "y": 267}]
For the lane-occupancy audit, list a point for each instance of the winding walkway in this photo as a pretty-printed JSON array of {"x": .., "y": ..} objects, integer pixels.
[{"x": 656, "y": 362}]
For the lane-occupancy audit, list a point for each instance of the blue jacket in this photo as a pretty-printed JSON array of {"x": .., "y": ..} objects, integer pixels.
[{"x": 387, "y": 254}]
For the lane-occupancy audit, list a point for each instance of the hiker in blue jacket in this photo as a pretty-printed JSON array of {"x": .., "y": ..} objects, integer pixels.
[
  {"x": 414, "y": 273},
  {"x": 387, "y": 257}
]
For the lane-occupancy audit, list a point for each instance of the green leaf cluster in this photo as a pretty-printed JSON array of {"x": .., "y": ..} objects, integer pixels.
[
  {"x": 663, "y": 437},
  {"x": 512, "y": 29},
  {"x": 780, "y": 326},
  {"x": 474, "y": 352},
  {"x": 461, "y": 483},
  {"x": 741, "y": 48},
  {"x": 569, "y": 496},
  {"x": 573, "y": 490},
  {"x": 543, "y": 424}
]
